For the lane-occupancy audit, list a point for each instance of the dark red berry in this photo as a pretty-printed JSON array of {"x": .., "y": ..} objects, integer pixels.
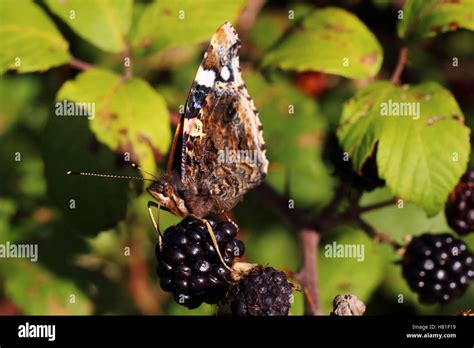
[
  {"x": 189, "y": 266},
  {"x": 438, "y": 267},
  {"x": 263, "y": 292},
  {"x": 459, "y": 209}
]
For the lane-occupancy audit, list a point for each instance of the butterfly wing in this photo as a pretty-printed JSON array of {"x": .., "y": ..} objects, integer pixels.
[{"x": 222, "y": 151}]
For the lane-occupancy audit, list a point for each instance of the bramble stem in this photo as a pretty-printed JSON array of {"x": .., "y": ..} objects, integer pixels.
[
  {"x": 368, "y": 208},
  {"x": 80, "y": 64},
  {"x": 310, "y": 228},
  {"x": 308, "y": 273},
  {"x": 402, "y": 60}
]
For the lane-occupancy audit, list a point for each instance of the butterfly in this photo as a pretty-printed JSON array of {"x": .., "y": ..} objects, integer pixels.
[{"x": 218, "y": 151}]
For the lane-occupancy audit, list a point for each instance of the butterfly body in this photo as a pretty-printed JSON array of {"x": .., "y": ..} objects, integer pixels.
[{"x": 219, "y": 152}]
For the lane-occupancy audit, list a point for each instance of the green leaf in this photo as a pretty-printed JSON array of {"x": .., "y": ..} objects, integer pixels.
[
  {"x": 329, "y": 40},
  {"x": 427, "y": 18},
  {"x": 421, "y": 156},
  {"x": 400, "y": 222},
  {"x": 293, "y": 131},
  {"x": 162, "y": 24},
  {"x": 130, "y": 116},
  {"x": 7, "y": 211},
  {"x": 39, "y": 292},
  {"x": 18, "y": 98},
  {"x": 29, "y": 40},
  {"x": 267, "y": 30},
  {"x": 349, "y": 272},
  {"x": 104, "y": 23}
]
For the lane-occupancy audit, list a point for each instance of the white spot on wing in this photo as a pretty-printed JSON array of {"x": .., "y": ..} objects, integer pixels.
[
  {"x": 225, "y": 73},
  {"x": 205, "y": 77}
]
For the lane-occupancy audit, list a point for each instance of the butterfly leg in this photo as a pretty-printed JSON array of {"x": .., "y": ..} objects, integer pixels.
[
  {"x": 151, "y": 205},
  {"x": 214, "y": 242},
  {"x": 227, "y": 217}
]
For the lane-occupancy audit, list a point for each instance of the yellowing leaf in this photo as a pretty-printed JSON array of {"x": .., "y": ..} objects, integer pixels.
[
  {"x": 29, "y": 40},
  {"x": 166, "y": 24},
  {"x": 104, "y": 23},
  {"x": 39, "y": 292},
  {"x": 426, "y": 18},
  {"x": 130, "y": 115},
  {"x": 329, "y": 40},
  {"x": 423, "y": 144}
]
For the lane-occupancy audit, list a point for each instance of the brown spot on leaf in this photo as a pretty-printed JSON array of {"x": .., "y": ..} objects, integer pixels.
[
  {"x": 457, "y": 118},
  {"x": 432, "y": 120},
  {"x": 309, "y": 140},
  {"x": 453, "y": 26},
  {"x": 299, "y": 29},
  {"x": 418, "y": 95},
  {"x": 157, "y": 155},
  {"x": 338, "y": 28},
  {"x": 369, "y": 59}
]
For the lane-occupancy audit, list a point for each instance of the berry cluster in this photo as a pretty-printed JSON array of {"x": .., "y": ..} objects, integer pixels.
[
  {"x": 460, "y": 206},
  {"x": 189, "y": 265},
  {"x": 190, "y": 268},
  {"x": 343, "y": 168},
  {"x": 438, "y": 267},
  {"x": 264, "y": 291}
]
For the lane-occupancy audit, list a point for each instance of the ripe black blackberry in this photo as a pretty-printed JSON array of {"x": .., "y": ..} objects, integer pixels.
[
  {"x": 189, "y": 265},
  {"x": 438, "y": 267},
  {"x": 366, "y": 181},
  {"x": 264, "y": 291},
  {"x": 460, "y": 206}
]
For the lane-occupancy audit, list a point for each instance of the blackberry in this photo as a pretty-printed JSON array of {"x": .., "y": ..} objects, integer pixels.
[
  {"x": 438, "y": 267},
  {"x": 460, "y": 206},
  {"x": 366, "y": 181},
  {"x": 189, "y": 265},
  {"x": 264, "y": 291}
]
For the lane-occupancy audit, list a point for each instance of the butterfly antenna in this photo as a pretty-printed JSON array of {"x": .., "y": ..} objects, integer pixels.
[
  {"x": 111, "y": 176},
  {"x": 137, "y": 167}
]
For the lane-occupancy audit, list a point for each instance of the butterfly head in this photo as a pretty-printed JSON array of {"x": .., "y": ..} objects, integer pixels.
[{"x": 166, "y": 194}]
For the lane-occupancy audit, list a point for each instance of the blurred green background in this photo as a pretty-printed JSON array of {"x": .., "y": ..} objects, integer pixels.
[{"x": 102, "y": 251}]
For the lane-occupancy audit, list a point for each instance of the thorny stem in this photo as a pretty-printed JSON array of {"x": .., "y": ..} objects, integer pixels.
[{"x": 402, "y": 60}]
